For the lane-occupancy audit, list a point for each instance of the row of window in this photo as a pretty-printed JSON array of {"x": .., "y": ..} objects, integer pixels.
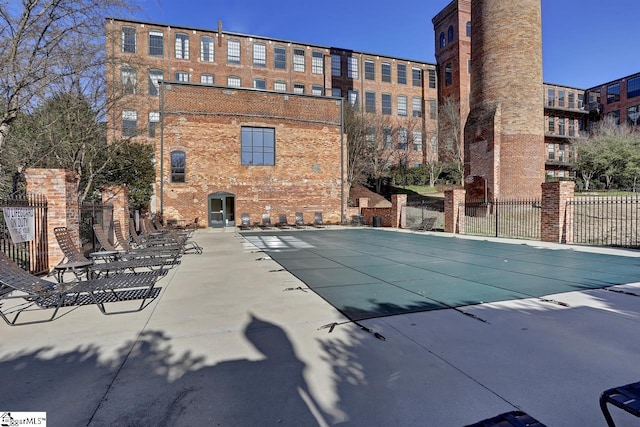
[
  {"x": 563, "y": 153},
  {"x": 633, "y": 116},
  {"x": 633, "y": 90},
  {"x": 563, "y": 126},
  {"x": 401, "y": 105},
  {"x": 299, "y": 58},
  {"x": 450, "y": 36},
  {"x": 564, "y": 99}
]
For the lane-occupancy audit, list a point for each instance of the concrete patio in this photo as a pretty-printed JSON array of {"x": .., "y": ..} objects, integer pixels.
[{"x": 227, "y": 344}]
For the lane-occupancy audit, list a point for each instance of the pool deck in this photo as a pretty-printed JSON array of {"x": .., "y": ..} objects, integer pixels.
[{"x": 232, "y": 340}]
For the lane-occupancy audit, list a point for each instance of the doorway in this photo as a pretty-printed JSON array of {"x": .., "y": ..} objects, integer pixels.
[{"x": 222, "y": 208}]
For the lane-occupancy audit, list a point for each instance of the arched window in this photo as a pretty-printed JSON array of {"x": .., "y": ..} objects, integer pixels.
[
  {"x": 450, "y": 34},
  {"x": 468, "y": 28},
  {"x": 443, "y": 40},
  {"x": 178, "y": 164}
]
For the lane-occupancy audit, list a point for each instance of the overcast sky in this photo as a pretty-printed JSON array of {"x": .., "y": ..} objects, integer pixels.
[{"x": 585, "y": 42}]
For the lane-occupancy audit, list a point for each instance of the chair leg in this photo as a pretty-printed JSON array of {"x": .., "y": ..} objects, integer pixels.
[{"x": 605, "y": 411}]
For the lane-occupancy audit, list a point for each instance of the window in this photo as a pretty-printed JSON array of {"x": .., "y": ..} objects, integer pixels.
[
  {"x": 259, "y": 84},
  {"x": 581, "y": 100},
  {"x": 182, "y": 46},
  {"x": 633, "y": 87},
  {"x": 552, "y": 124},
  {"x": 280, "y": 58},
  {"x": 572, "y": 127},
  {"x": 352, "y": 67},
  {"x": 443, "y": 40},
  {"x": 386, "y": 103},
  {"x": 233, "y": 52},
  {"x": 560, "y": 98},
  {"x": 258, "y": 146},
  {"x": 317, "y": 90},
  {"x": 561, "y": 150},
  {"x": 298, "y": 88},
  {"x": 633, "y": 115},
  {"x": 432, "y": 79},
  {"x": 613, "y": 93},
  {"x": 387, "y": 138},
  {"x": 614, "y": 117},
  {"x": 207, "y": 79},
  {"x": 233, "y": 81},
  {"x": 386, "y": 72},
  {"x": 336, "y": 92},
  {"x": 370, "y": 102},
  {"x": 402, "y": 139},
  {"x": 448, "y": 75},
  {"x": 206, "y": 49},
  {"x": 561, "y": 126},
  {"x": 416, "y": 106},
  {"x": 402, "y": 105},
  {"x": 468, "y": 28},
  {"x": 369, "y": 69},
  {"x": 156, "y": 43},
  {"x": 155, "y": 76},
  {"x": 178, "y": 163},
  {"x": 402, "y": 74},
  {"x": 352, "y": 97},
  {"x": 317, "y": 63},
  {"x": 129, "y": 80},
  {"x": 154, "y": 120},
  {"x": 259, "y": 55},
  {"x": 450, "y": 34},
  {"x": 551, "y": 151},
  {"x": 433, "y": 109},
  {"x": 181, "y": 76},
  {"x": 469, "y": 66},
  {"x": 129, "y": 122},
  {"x": 571, "y": 100},
  {"x": 417, "y": 140},
  {"x": 551, "y": 97},
  {"x": 416, "y": 76},
  {"x": 298, "y": 60},
  {"x": 280, "y": 86},
  {"x": 370, "y": 134},
  {"x": 336, "y": 65},
  {"x": 594, "y": 99},
  {"x": 128, "y": 39}
]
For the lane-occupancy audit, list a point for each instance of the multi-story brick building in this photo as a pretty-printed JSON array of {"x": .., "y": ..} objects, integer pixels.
[{"x": 618, "y": 101}]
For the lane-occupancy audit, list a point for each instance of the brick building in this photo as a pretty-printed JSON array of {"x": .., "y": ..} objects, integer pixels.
[{"x": 618, "y": 101}]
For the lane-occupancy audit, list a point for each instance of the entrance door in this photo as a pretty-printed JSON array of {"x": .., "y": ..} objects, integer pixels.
[{"x": 222, "y": 208}]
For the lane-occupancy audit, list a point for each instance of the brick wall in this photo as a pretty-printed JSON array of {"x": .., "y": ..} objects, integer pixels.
[
  {"x": 453, "y": 218},
  {"x": 118, "y": 196},
  {"x": 557, "y": 214}
]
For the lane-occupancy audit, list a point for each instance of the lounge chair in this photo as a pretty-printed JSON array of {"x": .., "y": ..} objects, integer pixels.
[
  {"x": 17, "y": 284},
  {"x": 317, "y": 220},
  {"x": 357, "y": 220},
  {"x": 513, "y": 419},
  {"x": 626, "y": 397},
  {"x": 299, "y": 220},
  {"x": 245, "y": 222},
  {"x": 427, "y": 224},
  {"x": 266, "y": 221},
  {"x": 127, "y": 253},
  {"x": 282, "y": 221}
]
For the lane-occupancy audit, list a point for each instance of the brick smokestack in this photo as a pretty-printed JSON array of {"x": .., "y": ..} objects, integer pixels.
[{"x": 504, "y": 133}]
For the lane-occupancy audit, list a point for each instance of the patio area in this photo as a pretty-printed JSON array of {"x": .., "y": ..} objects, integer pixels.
[{"x": 233, "y": 339}]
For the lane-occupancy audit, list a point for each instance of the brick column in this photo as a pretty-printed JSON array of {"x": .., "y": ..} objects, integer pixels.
[
  {"x": 453, "y": 219},
  {"x": 363, "y": 202},
  {"x": 118, "y": 196},
  {"x": 557, "y": 216},
  {"x": 398, "y": 214},
  {"x": 60, "y": 186}
]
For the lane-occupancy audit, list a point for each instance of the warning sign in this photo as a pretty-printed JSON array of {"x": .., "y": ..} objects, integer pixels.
[{"x": 21, "y": 223}]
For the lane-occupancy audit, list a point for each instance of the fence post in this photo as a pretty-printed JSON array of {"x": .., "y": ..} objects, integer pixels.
[
  {"x": 60, "y": 187},
  {"x": 557, "y": 214},
  {"x": 453, "y": 218},
  {"x": 398, "y": 214}
]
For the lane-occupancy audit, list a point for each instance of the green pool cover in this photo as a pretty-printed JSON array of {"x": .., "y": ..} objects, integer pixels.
[{"x": 367, "y": 273}]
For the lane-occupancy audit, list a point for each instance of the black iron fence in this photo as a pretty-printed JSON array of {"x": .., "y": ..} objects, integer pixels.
[
  {"x": 90, "y": 214},
  {"x": 16, "y": 215},
  {"x": 418, "y": 211},
  {"x": 518, "y": 218},
  {"x": 606, "y": 221}
]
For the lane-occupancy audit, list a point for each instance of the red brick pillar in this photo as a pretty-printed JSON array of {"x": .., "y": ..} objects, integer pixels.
[
  {"x": 118, "y": 196},
  {"x": 399, "y": 211},
  {"x": 557, "y": 215},
  {"x": 363, "y": 202},
  {"x": 60, "y": 186},
  {"x": 453, "y": 218}
]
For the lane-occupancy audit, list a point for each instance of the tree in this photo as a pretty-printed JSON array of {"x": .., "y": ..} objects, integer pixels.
[
  {"x": 451, "y": 149},
  {"x": 50, "y": 46}
]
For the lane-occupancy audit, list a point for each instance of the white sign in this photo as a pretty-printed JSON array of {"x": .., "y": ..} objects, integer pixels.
[{"x": 21, "y": 223}]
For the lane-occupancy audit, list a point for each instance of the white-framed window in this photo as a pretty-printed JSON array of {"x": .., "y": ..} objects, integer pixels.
[
  {"x": 317, "y": 90},
  {"x": 402, "y": 105},
  {"x": 336, "y": 65},
  {"x": 386, "y": 103},
  {"x": 155, "y": 76},
  {"x": 129, "y": 122},
  {"x": 182, "y": 76},
  {"x": 182, "y": 46},
  {"x": 402, "y": 74},
  {"x": 280, "y": 86},
  {"x": 416, "y": 106},
  {"x": 156, "y": 43},
  {"x": 352, "y": 67},
  {"x": 207, "y": 79},
  {"x": 352, "y": 97},
  {"x": 259, "y": 84},
  {"x": 298, "y": 60},
  {"x": 154, "y": 121},
  {"x": 298, "y": 88},
  {"x": 317, "y": 63},
  {"x": 369, "y": 69},
  {"x": 206, "y": 49},
  {"x": 280, "y": 58},
  {"x": 385, "y": 71},
  {"x": 129, "y": 80},
  {"x": 417, "y": 140},
  {"x": 402, "y": 139},
  {"x": 233, "y": 51},
  {"x": 129, "y": 40},
  {"x": 233, "y": 81},
  {"x": 259, "y": 55}
]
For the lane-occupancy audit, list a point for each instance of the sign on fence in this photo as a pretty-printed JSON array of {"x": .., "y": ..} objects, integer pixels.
[{"x": 21, "y": 223}]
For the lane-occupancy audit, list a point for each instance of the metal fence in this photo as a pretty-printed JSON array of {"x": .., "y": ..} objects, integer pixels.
[
  {"x": 90, "y": 214},
  {"x": 606, "y": 221},
  {"x": 31, "y": 255},
  {"x": 518, "y": 218},
  {"x": 417, "y": 212}
]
